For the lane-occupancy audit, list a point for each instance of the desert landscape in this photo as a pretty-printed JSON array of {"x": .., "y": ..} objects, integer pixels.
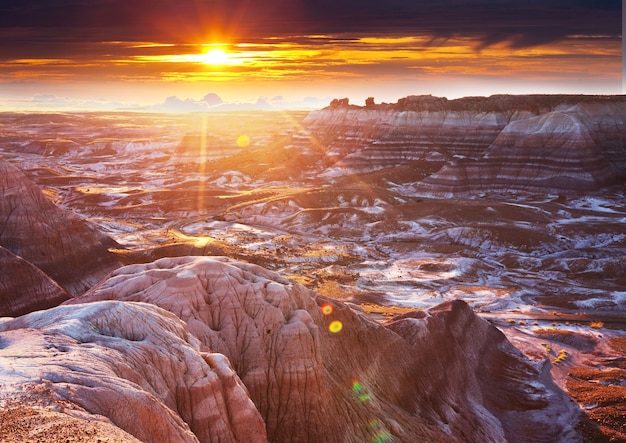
[{"x": 425, "y": 270}]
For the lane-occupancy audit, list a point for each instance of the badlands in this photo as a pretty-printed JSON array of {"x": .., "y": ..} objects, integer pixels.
[{"x": 428, "y": 270}]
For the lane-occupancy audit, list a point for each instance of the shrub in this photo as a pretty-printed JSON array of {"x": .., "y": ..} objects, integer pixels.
[{"x": 561, "y": 357}]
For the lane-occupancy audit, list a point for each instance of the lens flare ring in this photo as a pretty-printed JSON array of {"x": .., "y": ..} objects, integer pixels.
[
  {"x": 327, "y": 309},
  {"x": 335, "y": 326}
]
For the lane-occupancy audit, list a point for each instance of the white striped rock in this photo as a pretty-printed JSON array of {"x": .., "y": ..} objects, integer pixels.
[{"x": 131, "y": 365}]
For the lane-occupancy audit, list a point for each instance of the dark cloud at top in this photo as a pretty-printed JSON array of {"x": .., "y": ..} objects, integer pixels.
[
  {"x": 520, "y": 24},
  {"x": 526, "y": 23}
]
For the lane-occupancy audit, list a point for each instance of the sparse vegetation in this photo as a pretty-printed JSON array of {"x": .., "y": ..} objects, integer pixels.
[
  {"x": 561, "y": 357},
  {"x": 568, "y": 338},
  {"x": 546, "y": 331},
  {"x": 604, "y": 399},
  {"x": 547, "y": 347},
  {"x": 596, "y": 325}
]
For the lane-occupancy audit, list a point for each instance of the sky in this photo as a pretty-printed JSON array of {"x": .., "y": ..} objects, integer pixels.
[{"x": 129, "y": 53}]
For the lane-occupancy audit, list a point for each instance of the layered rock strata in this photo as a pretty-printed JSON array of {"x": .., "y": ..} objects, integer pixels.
[
  {"x": 558, "y": 144},
  {"x": 559, "y": 152},
  {"x": 66, "y": 248},
  {"x": 361, "y": 140},
  {"x": 319, "y": 371}
]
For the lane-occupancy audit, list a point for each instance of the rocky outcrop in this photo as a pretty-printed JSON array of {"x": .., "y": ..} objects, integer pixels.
[
  {"x": 130, "y": 365},
  {"x": 466, "y": 362},
  {"x": 559, "y": 152},
  {"x": 557, "y": 144},
  {"x": 319, "y": 371},
  {"x": 63, "y": 246},
  {"x": 362, "y": 140},
  {"x": 25, "y": 288}
]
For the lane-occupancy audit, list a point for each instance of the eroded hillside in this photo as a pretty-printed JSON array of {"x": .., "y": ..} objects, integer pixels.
[{"x": 343, "y": 275}]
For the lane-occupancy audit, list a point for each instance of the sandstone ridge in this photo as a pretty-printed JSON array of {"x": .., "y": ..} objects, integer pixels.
[{"x": 556, "y": 144}]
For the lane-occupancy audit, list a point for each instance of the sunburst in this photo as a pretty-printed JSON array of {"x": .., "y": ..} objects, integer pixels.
[{"x": 216, "y": 57}]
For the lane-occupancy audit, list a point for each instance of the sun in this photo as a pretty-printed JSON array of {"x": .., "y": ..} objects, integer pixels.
[{"x": 215, "y": 56}]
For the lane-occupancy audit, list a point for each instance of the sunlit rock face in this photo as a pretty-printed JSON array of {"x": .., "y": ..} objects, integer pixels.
[
  {"x": 25, "y": 288},
  {"x": 363, "y": 140},
  {"x": 557, "y": 144},
  {"x": 319, "y": 371},
  {"x": 131, "y": 365},
  {"x": 66, "y": 248},
  {"x": 563, "y": 152}
]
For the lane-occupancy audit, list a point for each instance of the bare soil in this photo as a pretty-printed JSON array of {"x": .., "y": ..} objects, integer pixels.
[{"x": 33, "y": 425}]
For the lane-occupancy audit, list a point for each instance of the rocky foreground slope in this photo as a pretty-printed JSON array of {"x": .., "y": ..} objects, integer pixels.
[{"x": 211, "y": 349}]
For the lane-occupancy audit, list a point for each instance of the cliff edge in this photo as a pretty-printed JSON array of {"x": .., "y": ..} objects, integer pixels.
[{"x": 554, "y": 144}]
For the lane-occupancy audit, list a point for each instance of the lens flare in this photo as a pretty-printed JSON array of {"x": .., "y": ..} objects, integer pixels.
[
  {"x": 381, "y": 434},
  {"x": 327, "y": 309},
  {"x": 359, "y": 391},
  {"x": 335, "y": 326},
  {"x": 243, "y": 141}
]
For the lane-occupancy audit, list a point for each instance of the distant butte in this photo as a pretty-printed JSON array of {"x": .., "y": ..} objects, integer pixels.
[{"x": 560, "y": 144}]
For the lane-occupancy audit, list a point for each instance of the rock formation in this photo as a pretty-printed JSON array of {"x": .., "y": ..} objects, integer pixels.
[
  {"x": 66, "y": 248},
  {"x": 557, "y": 144},
  {"x": 25, "y": 288},
  {"x": 319, "y": 371},
  {"x": 555, "y": 152},
  {"x": 203, "y": 349},
  {"x": 131, "y": 365}
]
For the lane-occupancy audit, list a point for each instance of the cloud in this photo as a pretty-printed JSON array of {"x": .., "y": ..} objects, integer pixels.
[
  {"x": 212, "y": 99},
  {"x": 174, "y": 104},
  {"x": 522, "y": 24},
  {"x": 213, "y": 103},
  {"x": 310, "y": 43}
]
